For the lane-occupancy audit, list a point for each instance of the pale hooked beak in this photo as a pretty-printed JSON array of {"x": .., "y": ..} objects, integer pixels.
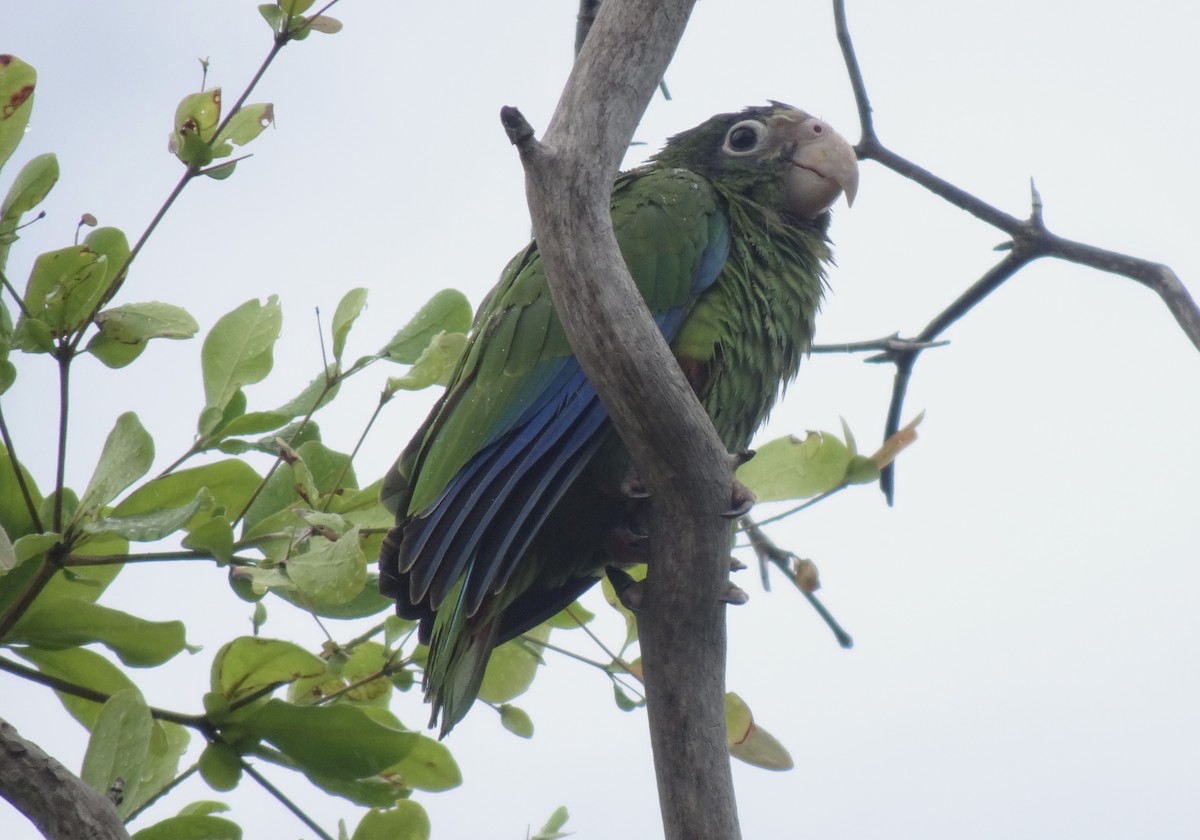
[{"x": 824, "y": 166}]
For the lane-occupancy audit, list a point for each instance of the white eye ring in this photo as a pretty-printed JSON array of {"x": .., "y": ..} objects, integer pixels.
[{"x": 744, "y": 138}]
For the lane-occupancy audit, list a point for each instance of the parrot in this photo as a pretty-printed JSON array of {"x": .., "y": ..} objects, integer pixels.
[{"x": 514, "y": 494}]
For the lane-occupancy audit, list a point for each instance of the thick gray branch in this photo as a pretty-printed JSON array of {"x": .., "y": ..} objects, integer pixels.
[
  {"x": 569, "y": 178},
  {"x": 55, "y": 800}
]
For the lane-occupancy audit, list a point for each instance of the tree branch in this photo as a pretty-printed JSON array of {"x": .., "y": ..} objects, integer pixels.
[
  {"x": 55, "y": 800},
  {"x": 677, "y": 453},
  {"x": 1030, "y": 240}
]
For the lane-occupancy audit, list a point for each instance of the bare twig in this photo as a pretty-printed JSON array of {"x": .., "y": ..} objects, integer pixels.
[
  {"x": 1030, "y": 240},
  {"x": 768, "y": 552}
]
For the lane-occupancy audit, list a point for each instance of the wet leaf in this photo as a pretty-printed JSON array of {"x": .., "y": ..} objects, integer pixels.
[
  {"x": 238, "y": 351},
  {"x": 127, "y": 455},
  {"x": 448, "y": 311},
  {"x": 32, "y": 184},
  {"x": 120, "y": 743},
  {"x": 17, "y": 81}
]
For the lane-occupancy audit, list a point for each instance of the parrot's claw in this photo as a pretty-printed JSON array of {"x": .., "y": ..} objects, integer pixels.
[
  {"x": 630, "y": 592},
  {"x": 733, "y": 594},
  {"x": 740, "y": 501},
  {"x": 736, "y": 565},
  {"x": 740, "y": 457}
]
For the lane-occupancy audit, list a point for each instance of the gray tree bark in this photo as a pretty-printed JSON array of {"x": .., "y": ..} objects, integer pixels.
[
  {"x": 60, "y": 804},
  {"x": 679, "y": 458}
]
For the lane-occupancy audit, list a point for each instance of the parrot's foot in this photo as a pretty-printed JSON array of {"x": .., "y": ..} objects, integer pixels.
[
  {"x": 733, "y": 594},
  {"x": 630, "y": 592},
  {"x": 627, "y": 543},
  {"x": 632, "y": 486},
  {"x": 736, "y": 565},
  {"x": 740, "y": 501}
]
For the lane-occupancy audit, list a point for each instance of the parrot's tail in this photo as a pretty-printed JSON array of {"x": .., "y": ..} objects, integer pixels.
[{"x": 459, "y": 648}]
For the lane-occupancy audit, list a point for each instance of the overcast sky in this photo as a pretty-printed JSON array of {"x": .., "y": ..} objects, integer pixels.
[{"x": 1026, "y": 631}]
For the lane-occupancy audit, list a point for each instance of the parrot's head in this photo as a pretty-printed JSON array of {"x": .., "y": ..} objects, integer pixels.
[{"x": 775, "y": 154}]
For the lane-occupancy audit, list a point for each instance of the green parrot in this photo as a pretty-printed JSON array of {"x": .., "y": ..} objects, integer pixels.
[{"x": 513, "y": 494}]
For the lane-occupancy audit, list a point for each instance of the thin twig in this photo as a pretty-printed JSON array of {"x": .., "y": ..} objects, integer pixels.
[
  {"x": 768, "y": 552},
  {"x": 1030, "y": 240},
  {"x": 199, "y": 722},
  {"x": 64, "y": 397},
  {"x": 283, "y": 799}
]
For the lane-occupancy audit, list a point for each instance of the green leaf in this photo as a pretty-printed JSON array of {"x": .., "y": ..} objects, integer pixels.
[
  {"x": 550, "y": 831},
  {"x": 516, "y": 720},
  {"x": 291, "y": 8},
  {"x": 448, "y": 311},
  {"x": 191, "y": 827},
  {"x": 366, "y": 603},
  {"x": 230, "y": 482},
  {"x": 273, "y": 15},
  {"x": 338, "y": 740},
  {"x": 153, "y": 526},
  {"x": 406, "y": 821},
  {"x": 247, "y": 123},
  {"x": 8, "y": 555},
  {"x": 325, "y": 24},
  {"x": 111, "y": 244},
  {"x": 204, "y": 806},
  {"x": 68, "y": 622},
  {"x": 119, "y": 745},
  {"x": 127, "y": 455},
  {"x": 331, "y": 573},
  {"x": 571, "y": 617},
  {"x": 750, "y": 742},
  {"x": 250, "y": 663},
  {"x": 220, "y": 766},
  {"x": 17, "y": 81},
  {"x": 348, "y": 309},
  {"x": 428, "y": 766},
  {"x": 14, "y": 513},
  {"x": 791, "y": 468},
  {"x": 124, "y": 330},
  {"x": 168, "y": 743},
  {"x": 63, "y": 289},
  {"x": 861, "y": 470},
  {"x": 8, "y": 375},
  {"x": 215, "y": 537},
  {"x": 83, "y": 584},
  {"x": 512, "y": 666},
  {"x": 435, "y": 365},
  {"x": 318, "y": 466},
  {"x": 32, "y": 184},
  {"x": 238, "y": 352},
  {"x": 196, "y": 119},
  {"x": 33, "y": 335}
]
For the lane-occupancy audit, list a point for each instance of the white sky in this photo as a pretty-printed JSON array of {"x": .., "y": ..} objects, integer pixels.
[{"x": 1027, "y": 637}]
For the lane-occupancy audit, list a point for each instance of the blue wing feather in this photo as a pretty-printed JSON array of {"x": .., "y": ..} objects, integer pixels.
[{"x": 484, "y": 520}]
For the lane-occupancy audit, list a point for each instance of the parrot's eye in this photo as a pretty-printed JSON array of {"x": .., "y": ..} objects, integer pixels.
[{"x": 745, "y": 137}]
